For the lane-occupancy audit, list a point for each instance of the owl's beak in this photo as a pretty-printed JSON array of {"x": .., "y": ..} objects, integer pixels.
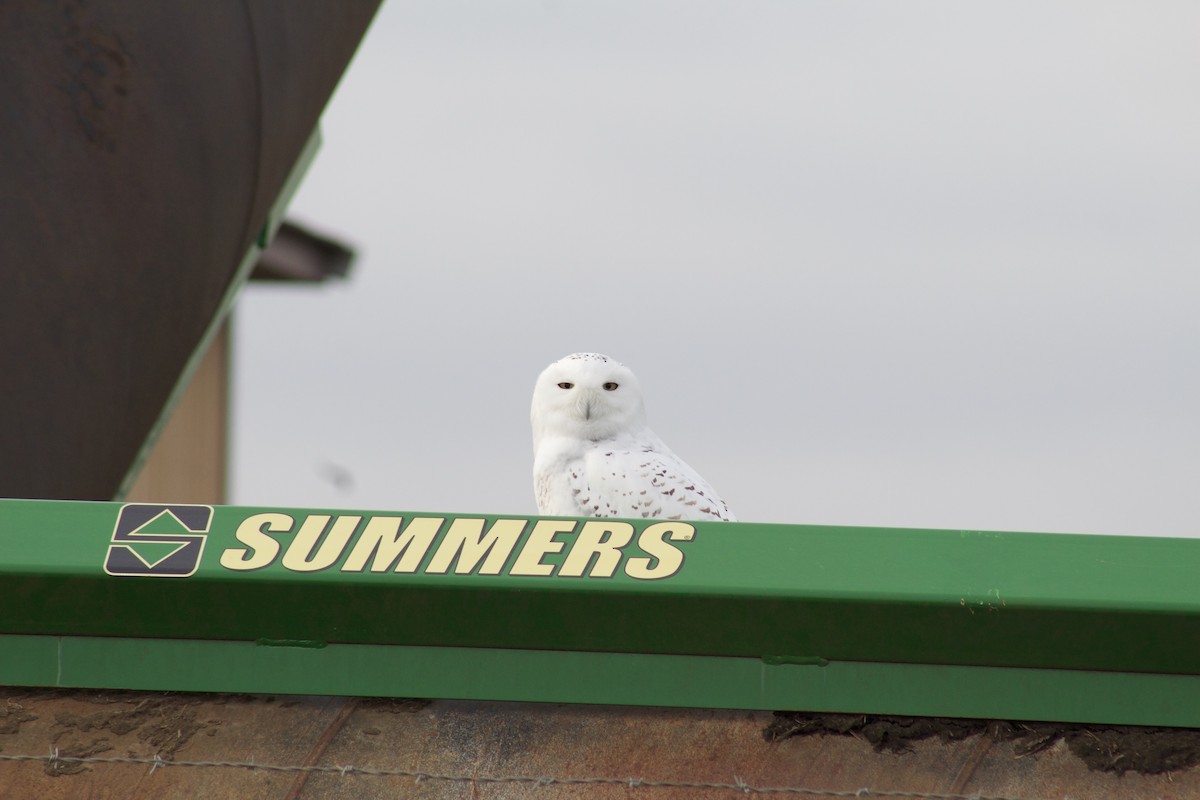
[{"x": 585, "y": 405}]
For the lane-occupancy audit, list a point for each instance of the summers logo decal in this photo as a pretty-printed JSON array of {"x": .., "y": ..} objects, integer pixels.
[
  {"x": 163, "y": 541},
  {"x": 593, "y": 548}
]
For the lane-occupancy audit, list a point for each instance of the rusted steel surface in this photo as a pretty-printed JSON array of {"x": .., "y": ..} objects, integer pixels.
[
  {"x": 141, "y": 147},
  {"x": 574, "y": 751}
]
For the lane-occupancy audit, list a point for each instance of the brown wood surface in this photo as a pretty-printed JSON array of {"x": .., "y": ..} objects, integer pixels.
[{"x": 470, "y": 742}]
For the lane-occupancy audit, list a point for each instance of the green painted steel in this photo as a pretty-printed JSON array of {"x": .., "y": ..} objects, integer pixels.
[
  {"x": 878, "y": 607},
  {"x": 602, "y": 678}
]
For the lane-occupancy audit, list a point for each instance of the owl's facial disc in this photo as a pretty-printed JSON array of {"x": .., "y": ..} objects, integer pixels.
[{"x": 589, "y": 397}]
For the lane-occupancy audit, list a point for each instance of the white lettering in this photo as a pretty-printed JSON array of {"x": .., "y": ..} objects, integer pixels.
[
  {"x": 261, "y": 549},
  {"x": 382, "y": 538},
  {"x": 603, "y": 540},
  {"x": 540, "y": 544},
  {"x": 299, "y": 556},
  {"x": 466, "y": 542},
  {"x": 669, "y": 558}
]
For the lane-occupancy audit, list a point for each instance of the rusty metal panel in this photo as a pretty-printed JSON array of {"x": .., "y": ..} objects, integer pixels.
[
  {"x": 142, "y": 145},
  {"x": 298, "y": 747}
]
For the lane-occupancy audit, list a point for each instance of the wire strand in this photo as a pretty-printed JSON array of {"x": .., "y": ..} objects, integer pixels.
[{"x": 738, "y": 784}]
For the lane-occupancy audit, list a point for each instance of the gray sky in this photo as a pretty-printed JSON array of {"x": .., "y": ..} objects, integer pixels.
[{"x": 901, "y": 264}]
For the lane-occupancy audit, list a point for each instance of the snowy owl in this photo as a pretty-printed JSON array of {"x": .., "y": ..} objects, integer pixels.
[{"x": 594, "y": 456}]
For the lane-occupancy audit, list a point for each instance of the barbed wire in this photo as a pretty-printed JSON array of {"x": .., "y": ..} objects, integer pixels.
[{"x": 54, "y": 759}]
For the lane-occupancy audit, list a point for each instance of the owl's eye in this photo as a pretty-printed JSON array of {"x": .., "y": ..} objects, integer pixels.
[
  {"x": 566, "y": 385},
  {"x": 610, "y": 386}
]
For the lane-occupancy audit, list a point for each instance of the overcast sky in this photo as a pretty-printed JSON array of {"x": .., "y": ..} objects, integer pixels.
[{"x": 900, "y": 264}]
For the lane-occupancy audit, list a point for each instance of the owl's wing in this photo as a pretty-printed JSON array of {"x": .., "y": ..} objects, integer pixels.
[{"x": 642, "y": 480}]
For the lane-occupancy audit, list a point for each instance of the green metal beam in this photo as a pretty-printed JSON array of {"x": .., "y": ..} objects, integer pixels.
[
  {"x": 602, "y": 678},
  {"x": 956, "y": 623}
]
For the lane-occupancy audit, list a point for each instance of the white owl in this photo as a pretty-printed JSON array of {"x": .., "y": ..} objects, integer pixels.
[{"x": 594, "y": 456}]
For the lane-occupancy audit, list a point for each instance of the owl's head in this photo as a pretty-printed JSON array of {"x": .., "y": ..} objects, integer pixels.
[{"x": 586, "y": 396}]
